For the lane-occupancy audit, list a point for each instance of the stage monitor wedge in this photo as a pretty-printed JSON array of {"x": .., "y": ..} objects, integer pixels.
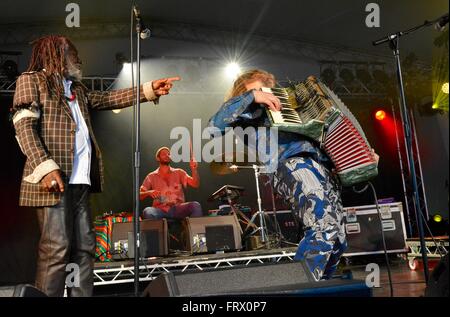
[{"x": 280, "y": 279}]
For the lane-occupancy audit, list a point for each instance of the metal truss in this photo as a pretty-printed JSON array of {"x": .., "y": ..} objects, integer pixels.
[
  {"x": 357, "y": 90},
  {"x": 239, "y": 44},
  {"x": 354, "y": 91},
  {"x": 148, "y": 272},
  {"x": 283, "y": 44},
  {"x": 436, "y": 248},
  {"x": 99, "y": 83},
  {"x": 8, "y": 86}
]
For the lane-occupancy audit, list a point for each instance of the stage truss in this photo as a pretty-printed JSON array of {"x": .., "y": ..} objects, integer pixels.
[
  {"x": 116, "y": 273},
  {"x": 435, "y": 249}
]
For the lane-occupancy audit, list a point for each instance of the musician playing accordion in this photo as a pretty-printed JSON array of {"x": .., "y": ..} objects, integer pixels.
[{"x": 302, "y": 175}]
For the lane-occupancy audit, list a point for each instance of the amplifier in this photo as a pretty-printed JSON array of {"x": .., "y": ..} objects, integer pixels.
[
  {"x": 211, "y": 234},
  {"x": 362, "y": 228},
  {"x": 290, "y": 230},
  {"x": 153, "y": 234}
]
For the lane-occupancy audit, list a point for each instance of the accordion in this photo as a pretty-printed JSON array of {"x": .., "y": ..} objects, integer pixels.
[{"x": 311, "y": 109}]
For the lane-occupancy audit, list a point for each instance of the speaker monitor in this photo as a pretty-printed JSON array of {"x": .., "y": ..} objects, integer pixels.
[
  {"x": 21, "y": 290},
  {"x": 153, "y": 238},
  {"x": 291, "y": 278},
  {"x": 212, "y": 234}
]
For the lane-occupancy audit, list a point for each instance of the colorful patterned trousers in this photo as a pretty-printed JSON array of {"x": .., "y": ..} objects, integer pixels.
[{"x": 315, "y": 197}]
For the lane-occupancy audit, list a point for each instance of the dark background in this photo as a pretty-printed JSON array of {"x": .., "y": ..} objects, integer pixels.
[{"x": 334, "y": 25}]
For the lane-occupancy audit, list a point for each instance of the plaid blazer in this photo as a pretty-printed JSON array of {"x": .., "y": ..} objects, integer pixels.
[{"x": 45, "y": 131}]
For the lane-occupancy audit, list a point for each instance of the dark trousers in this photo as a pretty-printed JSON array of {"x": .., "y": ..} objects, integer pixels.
[
  {"x": 181, "y": 211},
  {"x": 67, "y": 245}
]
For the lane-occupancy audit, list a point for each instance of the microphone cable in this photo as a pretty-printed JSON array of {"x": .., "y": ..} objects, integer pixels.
[{"x": 388, "y": 266}]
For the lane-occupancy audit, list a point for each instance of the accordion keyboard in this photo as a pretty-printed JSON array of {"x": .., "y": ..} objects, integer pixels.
[{"x": 288, "y": 114}]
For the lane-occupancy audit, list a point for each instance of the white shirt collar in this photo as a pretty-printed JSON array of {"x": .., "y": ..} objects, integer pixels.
[{"x": 67, "y": 84}]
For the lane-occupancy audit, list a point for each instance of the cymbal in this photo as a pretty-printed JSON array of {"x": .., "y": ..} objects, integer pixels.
[
  {"x": 222, "y": 168},
  {"x": 223, "y": 164}
]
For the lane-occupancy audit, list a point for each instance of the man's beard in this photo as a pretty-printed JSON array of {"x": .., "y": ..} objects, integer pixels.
[{"x": 74, "y": 72}]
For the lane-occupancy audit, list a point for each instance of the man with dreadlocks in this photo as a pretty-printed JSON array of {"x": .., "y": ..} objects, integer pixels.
[{"x": 63, "y": 161}]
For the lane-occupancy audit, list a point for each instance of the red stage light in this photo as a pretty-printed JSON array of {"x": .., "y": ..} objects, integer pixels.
[{"x": 380, "y": 115}]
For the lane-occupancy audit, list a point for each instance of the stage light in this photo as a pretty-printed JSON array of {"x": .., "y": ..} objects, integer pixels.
[
  {"x": 116, "y": 110},
  {"x": 232, "y": 70},
  {"x": 445, "y": 88},
  {"x": 435, "y": 106},
  {"x": 328, "y": 76},
  {"x": 380, "y": 115},
  {"x": 346, "y": 75},
  {"x": 437, "y": 218},
  {"x": 10, "y": 69},
  {"x": 121, "y": 59}
]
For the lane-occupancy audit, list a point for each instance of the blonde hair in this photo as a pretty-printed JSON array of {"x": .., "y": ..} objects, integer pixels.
[{"x": 250, "y": 76}]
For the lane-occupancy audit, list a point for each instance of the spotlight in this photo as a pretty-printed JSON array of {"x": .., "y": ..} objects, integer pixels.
[
  {"x": 116, "y": 111},
  {"x": 380, "y": 115},
  {"x": 121, "y": 59},
  {"x": 437, "y": 218},
  {"x": 10, "y": 69},
  {"x": 126, "y": 68},
  {"x": 435, "y": 106},
  {"x": 232, "y": 70},
  {"x": 445, "y": 88},
  {"x": 438, "y": 225}
]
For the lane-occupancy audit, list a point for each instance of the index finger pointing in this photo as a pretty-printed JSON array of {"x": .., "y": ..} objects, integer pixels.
[{"x": 171, "y": 79}]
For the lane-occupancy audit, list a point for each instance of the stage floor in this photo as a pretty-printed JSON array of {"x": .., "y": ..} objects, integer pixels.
[
  {"x": 116, "y": 278},
  {"x": 406, "y": 283}
]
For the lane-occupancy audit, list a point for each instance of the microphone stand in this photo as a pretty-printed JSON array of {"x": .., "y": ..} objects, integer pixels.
[
  {"x": 137, "y": 156},
  {"x": 262, "y": 222},
  {"x": 393, "y": 40}
]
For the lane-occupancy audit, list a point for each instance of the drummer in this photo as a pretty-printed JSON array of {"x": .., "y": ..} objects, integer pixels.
[{"x": 165, "y": 186}]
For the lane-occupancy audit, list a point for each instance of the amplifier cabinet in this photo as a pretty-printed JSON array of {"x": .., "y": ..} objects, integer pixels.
[
  {"x": 212, "y": 234},
  {"x": 153, "y": 236}
]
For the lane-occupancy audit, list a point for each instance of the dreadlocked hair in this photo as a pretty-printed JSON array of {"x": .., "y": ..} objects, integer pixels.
[
  {"x": 48, "y": 55},
  {"x": 250, "y": 76}
]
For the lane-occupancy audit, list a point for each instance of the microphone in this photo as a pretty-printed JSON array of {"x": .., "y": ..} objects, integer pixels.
[
  {"x": 145, "y": 31},
  {"x": 443, "y": 21}
]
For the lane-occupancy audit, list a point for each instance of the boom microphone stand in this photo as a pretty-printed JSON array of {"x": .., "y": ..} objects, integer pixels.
[{"x": 393, "y": 40}]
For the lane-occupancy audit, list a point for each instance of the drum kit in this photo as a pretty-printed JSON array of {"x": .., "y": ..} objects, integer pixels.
[{"x": 255, "y": 228}]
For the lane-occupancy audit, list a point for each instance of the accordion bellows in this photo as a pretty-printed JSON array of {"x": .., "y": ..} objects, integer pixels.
[{"x": 311, "y": 109}]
